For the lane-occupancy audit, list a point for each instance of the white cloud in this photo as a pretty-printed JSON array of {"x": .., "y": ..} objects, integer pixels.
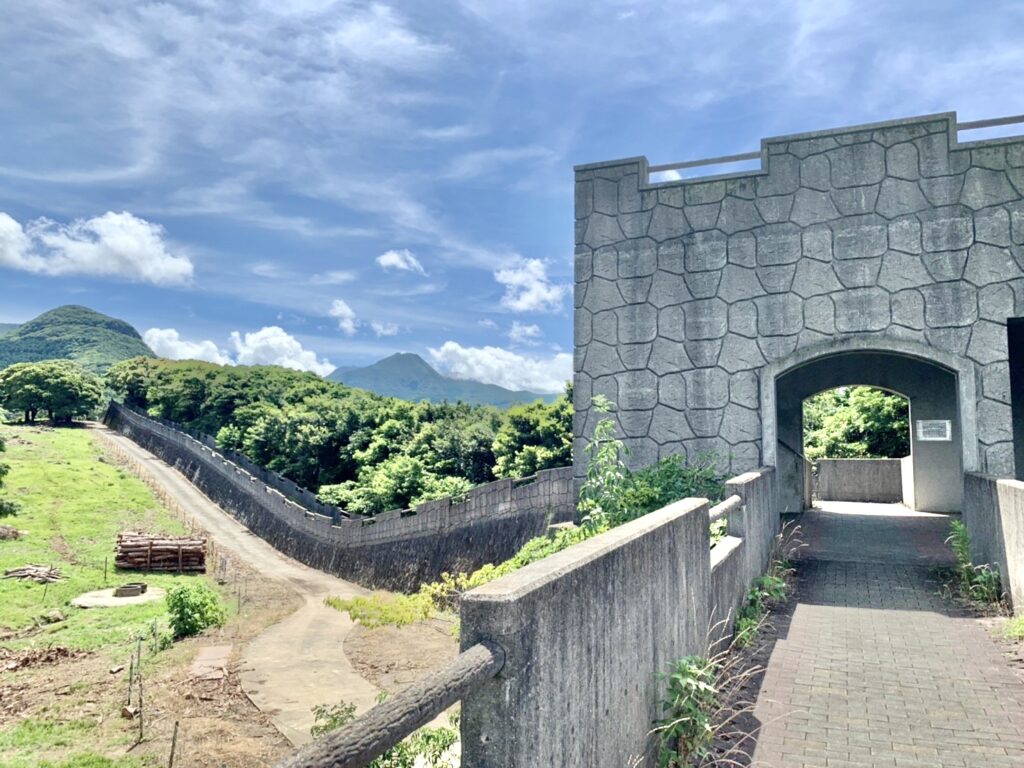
[
  {"x": 488, "y": 323},
  {"x": 272, "y": 345},
  {"x": 117, "y": 245},
  {"x": 495, "y": 365},
  {"x": 528, "y": 289},
  {"x": 345, "y": 316},
  {"x": 384, "y": 329},
  {"x": 167, "y": 342},
  {"x": 403, "y": 260},
  {"x": 520, "y": 333},
  {"x": 486, "y": 162},
  {"x": 334, "y": 277}
]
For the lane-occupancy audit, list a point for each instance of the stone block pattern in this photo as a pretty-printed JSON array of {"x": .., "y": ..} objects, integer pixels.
[
  {"x": 397, "y": 550},
  {"x": 686, "y": 290}
]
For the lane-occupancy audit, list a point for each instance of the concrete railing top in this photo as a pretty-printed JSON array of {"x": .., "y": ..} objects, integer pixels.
[{"x": 955, "y": 128}]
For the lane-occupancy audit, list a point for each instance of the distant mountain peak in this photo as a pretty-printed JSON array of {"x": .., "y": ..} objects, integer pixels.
[
  {"x": 408, "y": 376},
  {"x": 73, "y": 332}
]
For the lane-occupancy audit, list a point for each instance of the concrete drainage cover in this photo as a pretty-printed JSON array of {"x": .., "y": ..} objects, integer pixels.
[
  {"x": 211, "y": 663},
  {"x": 104, "y": 598}
]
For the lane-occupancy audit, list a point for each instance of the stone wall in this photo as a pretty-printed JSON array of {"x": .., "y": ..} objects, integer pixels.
[
  {"x": 878, "y": 480},
  {"x": 687, "y": 291},
  {"x": 396, "y": 550},
  {"x": 994, "y": 515},
  {"x": 586, "y": 631}
]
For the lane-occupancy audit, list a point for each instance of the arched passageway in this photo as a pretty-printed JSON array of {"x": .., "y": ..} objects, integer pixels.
[{"x": 933, "y": 475}]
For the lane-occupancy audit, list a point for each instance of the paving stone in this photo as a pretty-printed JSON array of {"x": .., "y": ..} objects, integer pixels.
[
  {"x": 858, "y": 273},
  {"x": 949, "y": 305},
  {"x": 737, "y": 215},
  {"x": 602, "y": 230},
  {"x": 860, "y": 237},
  {"x": 744, "y": 389},
  {"x": 908, "y": 309},
  {"x": 983, "y": 187},
  {"x": 862, "y": 309},
  {"x": 990, "y": 264},
  {"x": 992, "y": 226},
  {"x": 875, "y": 667},
  {"x": 814, "y": 278},
  {"x": 740, "y": 353},
  {"x": 901, "y": 162},
  {"x": 898, "y": 198},
  {"x": 704, "y": 251},
  {"x": 738, "y": 284},
  {"x": 706, "y": 388},
  {"x": 988, "y": 342},
  {"x": 669, "y": 425},
  {"x": 666, "y": 222},
  {"x": 856, "y": 200},
  {"x": 857, "y": 165},
  {"x": 776, "y": 279},
  {"x": 902, "y": 270}
]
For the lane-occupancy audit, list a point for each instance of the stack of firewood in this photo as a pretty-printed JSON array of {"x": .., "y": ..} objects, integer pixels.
[
  {"x": 143, "y": 552},
  {"x": 44, "y": 574}
]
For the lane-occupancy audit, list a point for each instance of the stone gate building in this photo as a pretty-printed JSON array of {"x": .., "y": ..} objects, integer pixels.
[{"x": 889, "y": 255}]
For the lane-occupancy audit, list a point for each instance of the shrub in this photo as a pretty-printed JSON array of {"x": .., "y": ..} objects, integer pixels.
[
  {"x": 383, "y": 609},
  {"x": 328, "y": 718},
  {"x": 980, "y": 583},
  {"x": 686, "y": 731},
  {"x": 1014, "y": 629},
  {"x": 193, "y": 608}
]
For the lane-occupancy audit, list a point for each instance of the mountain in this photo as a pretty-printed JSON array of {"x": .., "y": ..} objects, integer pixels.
[
  {"x": 94, "y": 340},
  {"x": 6, "y": 328},
  {"x": 410, "y": 377}
]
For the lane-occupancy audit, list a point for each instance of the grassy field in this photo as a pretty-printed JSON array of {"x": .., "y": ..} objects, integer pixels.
[
  {"x": 73, "y": 505},
  {"x": 74, "y": 501}
]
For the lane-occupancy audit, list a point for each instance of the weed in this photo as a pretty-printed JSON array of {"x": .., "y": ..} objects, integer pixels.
[
  {"x": 719, "y": 530},
  {"x": 978, "y": 583},
  {"x": 384, "y": 609},
  {"x": 427, "y": 746},
  {"x": 327, "y": 718},
  {"x": 685, "y": 731},
  {"x": 1013, "y": 629}
]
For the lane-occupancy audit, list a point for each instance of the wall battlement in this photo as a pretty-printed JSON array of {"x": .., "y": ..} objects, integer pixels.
[
  {"x": 692, "y": 296},
  {"x": 396, "y": 550}
]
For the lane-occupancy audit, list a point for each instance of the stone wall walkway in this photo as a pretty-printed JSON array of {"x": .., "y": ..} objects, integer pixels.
[{"x": 877, "y": 669}]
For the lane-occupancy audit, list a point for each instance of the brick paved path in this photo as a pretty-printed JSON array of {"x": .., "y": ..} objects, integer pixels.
[{"x": 878, "y": 670}]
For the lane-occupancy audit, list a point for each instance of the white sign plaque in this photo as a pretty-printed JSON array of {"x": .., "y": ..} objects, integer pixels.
[{"x": 939, "y": 430}]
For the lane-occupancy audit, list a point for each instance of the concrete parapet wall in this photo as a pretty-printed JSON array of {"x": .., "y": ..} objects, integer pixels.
[
  {"x": 994, "y": 514},
  {"x": 879, "y": 480},
  {"x": 396, "y": 550},
  {"x": 586, "y": 631}
]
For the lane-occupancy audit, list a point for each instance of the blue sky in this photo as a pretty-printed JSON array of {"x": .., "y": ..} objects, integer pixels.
[{"x": 324, "y": 183}]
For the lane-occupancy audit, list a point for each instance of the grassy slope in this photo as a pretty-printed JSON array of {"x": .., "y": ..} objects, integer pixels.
[{"x": 73, "y": 505}]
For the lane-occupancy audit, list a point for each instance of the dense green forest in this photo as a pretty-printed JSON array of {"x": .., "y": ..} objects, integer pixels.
[
  {"x": 856, "y": 422},
  {"x": 366, "y": 452},
  {"x": 93, "y": 340}
]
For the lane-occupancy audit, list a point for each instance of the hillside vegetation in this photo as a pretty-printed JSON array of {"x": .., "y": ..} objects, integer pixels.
[
  {"x": 410, "y": 377},
  {"x": 93, "y": 340},
  {"x": 362, "y": 451}
]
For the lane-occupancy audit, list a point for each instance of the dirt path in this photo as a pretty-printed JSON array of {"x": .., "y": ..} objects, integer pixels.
[{"x": 300, "y": 661}]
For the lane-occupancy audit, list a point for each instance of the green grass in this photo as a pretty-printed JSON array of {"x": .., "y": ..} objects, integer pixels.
[
  {"x": 72, "y": 507},
  {"x": 1013, "y": 629}
]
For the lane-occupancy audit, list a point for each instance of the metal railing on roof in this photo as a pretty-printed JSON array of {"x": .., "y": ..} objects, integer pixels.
[{"x": 725, "y": 159}]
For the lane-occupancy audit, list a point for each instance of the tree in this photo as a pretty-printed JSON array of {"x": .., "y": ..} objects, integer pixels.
[
  {"x": 534, "y": 437},
  {"x": 856, "y": 422},
  {"x": 61, "y": 388}
]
